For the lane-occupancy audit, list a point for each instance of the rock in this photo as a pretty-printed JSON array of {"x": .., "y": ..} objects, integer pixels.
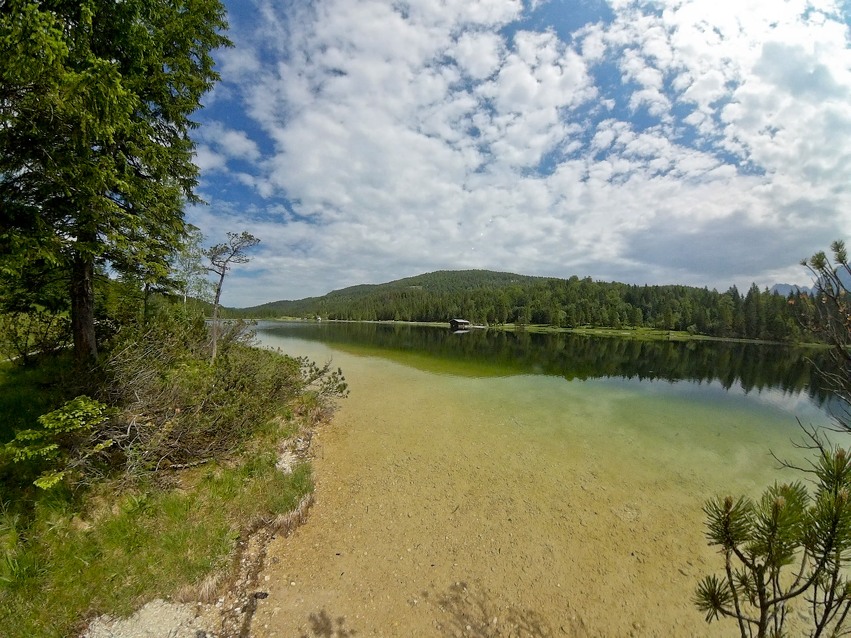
[{"x": 156, "y": 619}]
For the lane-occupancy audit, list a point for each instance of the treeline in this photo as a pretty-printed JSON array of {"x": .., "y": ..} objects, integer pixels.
[{"x": 486, "y": 297}]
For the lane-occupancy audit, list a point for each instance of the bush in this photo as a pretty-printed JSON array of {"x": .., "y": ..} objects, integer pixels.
[
  {"x": 23, "y": 335},
  {"x": 789, "y": 546},
  {"x": 67, "y": 439},
  {"x": 70, "y": 553},
  {"x": 173, "y": 406}
]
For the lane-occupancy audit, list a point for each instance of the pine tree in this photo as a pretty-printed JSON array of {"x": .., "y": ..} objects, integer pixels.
[{"x": 96, "y": 160}]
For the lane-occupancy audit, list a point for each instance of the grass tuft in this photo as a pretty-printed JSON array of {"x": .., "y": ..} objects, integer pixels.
[{"x": 174, "y": 543}]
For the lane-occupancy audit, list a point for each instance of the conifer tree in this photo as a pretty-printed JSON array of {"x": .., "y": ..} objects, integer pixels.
[
  {"x": 96, "y": 160},
  {"x": 791, "y": 550}
]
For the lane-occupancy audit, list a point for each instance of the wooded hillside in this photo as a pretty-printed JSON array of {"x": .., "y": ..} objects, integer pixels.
[{"x": 494, "y": 298}]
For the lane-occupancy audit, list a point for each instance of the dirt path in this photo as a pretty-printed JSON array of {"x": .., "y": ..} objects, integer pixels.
[{"x": 436, "y": 518}]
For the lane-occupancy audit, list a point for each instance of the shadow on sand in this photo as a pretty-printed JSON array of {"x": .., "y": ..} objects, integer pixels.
[
  {"x": 466, "y": 610},
  {"x": 322, "y": 626}
]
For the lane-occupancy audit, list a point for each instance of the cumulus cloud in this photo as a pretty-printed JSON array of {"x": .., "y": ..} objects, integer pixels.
[
  {"x": 478, "y": 54},
  {"x": 367, "y": 140},
  {"x": 207, "y": 160},
  {"x": 230, "y": 143}
]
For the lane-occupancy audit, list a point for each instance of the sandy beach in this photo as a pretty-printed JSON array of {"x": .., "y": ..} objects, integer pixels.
[{"x": 428, "y": 523}]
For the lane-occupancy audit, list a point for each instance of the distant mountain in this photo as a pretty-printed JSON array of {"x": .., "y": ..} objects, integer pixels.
[
  {"x": 441, "y": 282},
  {"x": 785, "y": 289}
]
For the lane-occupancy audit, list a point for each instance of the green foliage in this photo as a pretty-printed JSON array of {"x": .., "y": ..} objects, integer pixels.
[
  {"x": 96, "y": 160},
  {"x": 188, "y": 269},
  {"x": 321, "y": 384},
  {"x": 785, "y": 547},
  {"x": 498, "y": 298},
  {"x": 25, "y": 335},
  {"x": 754, "y": 367},
  {"x": 762, "y": 541},
  {"x": 113, "y": 530},
  {"x": 829, "y": 315},
  {"x": 29, "y": 391},
  {"x": 177, "y": 407},
  {"x": 173, "y": 406},
  {"x": 67, "y": 566},
  {"x": 729, "y": 522},
  {"x": 63, "y": 441}
]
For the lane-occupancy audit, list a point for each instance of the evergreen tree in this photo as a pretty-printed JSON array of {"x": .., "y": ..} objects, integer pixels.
[
  {"x": 792, "y": 545},
  {"x": 96, "y": 161}
]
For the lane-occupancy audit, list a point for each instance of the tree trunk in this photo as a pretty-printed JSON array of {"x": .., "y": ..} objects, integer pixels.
[
  {"x": 83, "y": 308},
  {"x": 216, "y": 316},
  {"x": 146, "y": 291}
]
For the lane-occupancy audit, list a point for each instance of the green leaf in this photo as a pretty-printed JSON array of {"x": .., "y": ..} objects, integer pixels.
[{"x": 49, "y": 480}]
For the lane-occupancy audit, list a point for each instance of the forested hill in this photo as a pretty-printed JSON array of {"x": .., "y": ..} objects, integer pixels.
[
  {"x": 494, "y": 298},
  {"x": 339, "y": 304}
]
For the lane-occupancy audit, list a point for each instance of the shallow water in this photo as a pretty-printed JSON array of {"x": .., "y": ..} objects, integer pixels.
[{"x": 451, "y": 502}]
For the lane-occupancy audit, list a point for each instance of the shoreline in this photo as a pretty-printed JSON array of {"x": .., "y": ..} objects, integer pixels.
[
  {"x": 231, "y": 614},
  {"x": 631, "y": 333},
  {"x": 425, "y": 523}
]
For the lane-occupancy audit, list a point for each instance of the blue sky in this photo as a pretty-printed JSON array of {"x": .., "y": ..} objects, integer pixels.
[{"x": 685, "y": 141}]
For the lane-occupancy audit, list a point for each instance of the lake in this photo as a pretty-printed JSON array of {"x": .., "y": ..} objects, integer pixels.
[{"x": 516, "y": 484}]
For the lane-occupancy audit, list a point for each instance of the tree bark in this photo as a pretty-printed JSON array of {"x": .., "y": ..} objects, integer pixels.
[
  {"x": 215, "y": 326},
  {"x": 83, "y": 308}
]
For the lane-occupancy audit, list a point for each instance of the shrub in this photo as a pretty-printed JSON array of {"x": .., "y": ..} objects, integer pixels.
[
  {"x": 67, "y": 439},
  {"x": 789, "y": 546},
  {"x": 173, "y": 405},
  {"x": 23, "y": 335}
]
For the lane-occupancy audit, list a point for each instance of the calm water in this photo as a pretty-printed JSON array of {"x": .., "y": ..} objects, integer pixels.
[
  {"x": 727, "y": 404},
  {"x": 561, "y": 477}
]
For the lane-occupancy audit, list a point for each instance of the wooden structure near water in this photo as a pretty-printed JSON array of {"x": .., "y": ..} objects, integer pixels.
[{"x": 459, "y": 324}]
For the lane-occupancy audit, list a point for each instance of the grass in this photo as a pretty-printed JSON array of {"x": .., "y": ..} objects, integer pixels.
[
  {"x": 67, "y": 556},
  {"x": 66, "y": 567}
]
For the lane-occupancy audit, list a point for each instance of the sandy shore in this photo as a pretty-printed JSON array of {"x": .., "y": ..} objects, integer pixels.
[{"x": 429, "y": 523}]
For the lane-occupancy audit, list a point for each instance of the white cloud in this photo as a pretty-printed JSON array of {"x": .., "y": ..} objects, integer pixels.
[
  {"x": 207, "y": 160},
  {"x": 478, "y": 54},
  {"x": 231, "y": 143},
  {"x": 238, "y": 63},
  {"x": 413, "y": 136}
]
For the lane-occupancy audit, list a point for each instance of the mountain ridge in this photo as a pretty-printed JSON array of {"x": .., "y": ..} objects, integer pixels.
[
  {"x": 491, "y": 278},
  {"x": 785, "y": 289}
]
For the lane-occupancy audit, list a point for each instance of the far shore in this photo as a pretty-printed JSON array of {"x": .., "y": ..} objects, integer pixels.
[{"x": 639, "y": 334}]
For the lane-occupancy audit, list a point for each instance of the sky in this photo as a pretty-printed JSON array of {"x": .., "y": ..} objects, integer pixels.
[{"x": 698, "y": 142}]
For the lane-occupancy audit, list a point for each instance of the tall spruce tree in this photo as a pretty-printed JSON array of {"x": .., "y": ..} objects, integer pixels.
[{"x": 95, "y": 153}]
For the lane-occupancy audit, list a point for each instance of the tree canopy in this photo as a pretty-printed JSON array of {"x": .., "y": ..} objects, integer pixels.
[{"x": 96, "y": 160}]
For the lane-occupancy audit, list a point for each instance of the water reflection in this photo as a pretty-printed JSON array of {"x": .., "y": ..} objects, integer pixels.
[{"x": 789, "y": 371}]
